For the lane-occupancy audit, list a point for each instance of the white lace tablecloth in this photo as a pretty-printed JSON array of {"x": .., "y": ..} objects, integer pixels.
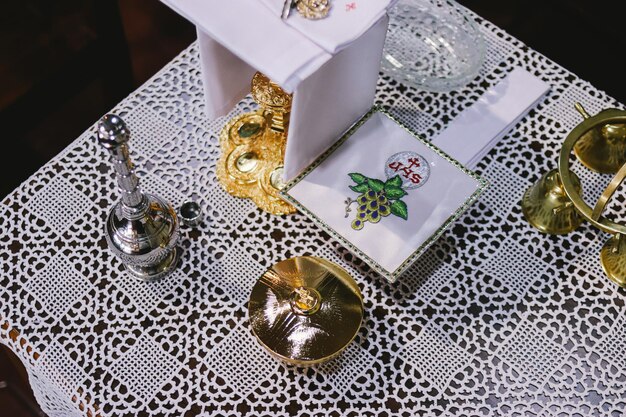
[{"x": 495, "y": 319}]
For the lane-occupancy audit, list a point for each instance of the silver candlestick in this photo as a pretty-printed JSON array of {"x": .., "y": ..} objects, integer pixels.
[{"x": 141, "y": 229}]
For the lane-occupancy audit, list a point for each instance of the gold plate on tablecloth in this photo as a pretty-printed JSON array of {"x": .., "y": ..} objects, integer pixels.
[{"x": 305, "y": 310}]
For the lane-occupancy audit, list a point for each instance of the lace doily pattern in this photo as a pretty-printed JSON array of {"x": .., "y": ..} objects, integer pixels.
[{"x": 494, "y": 319}]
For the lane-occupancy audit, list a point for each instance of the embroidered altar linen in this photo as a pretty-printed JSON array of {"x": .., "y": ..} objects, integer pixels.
[
  {"x": 384, "y": 193},
  {"x": 346, "y": 21}
]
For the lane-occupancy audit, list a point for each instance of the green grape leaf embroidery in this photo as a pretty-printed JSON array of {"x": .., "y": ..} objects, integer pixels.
[
  {"x": 394, "y": 193},
  {"x": 398, "y": 208},
  {"x": 394, "y": 182},
  {"x": 375, "y": 185},
  {"x": 361, "y": 188},
  {"x": 360, "y": 178},
  {"x": 376, "y": 199}
]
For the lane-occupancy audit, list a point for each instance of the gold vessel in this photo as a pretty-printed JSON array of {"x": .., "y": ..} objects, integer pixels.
[
  {"x": 559, "y": 192},
  {"x": 253, "y": 149},
  {"x": 305, "y": 310}
]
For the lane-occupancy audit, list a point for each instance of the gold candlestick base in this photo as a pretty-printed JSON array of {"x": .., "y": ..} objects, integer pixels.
[{"x": 253, "y": 144}]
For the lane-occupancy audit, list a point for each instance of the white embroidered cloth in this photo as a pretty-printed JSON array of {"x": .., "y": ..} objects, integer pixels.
[
  {"x": 249, "y": 30},
  {"x": 495, "y": 319},
  {"x": 345, "y": 22}
]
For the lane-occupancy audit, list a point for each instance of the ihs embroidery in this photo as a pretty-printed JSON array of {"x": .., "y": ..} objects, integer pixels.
[{"x": 405, "y": 171}]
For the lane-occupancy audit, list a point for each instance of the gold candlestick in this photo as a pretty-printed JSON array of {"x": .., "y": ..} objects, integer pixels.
[{"x": 253, "y": 149}]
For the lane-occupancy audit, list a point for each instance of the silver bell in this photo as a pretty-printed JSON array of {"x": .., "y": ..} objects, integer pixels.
[{"x": 141, "y": 229}]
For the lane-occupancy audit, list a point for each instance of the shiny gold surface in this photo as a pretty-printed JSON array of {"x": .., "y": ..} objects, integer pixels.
[
  {"x": 313, "y": 9},
  {"x": 270, "y": 183},
  {"x": 252, "y": 149},
  {"x": 613, "y": 259},
  {"x": 273, "y": 99},
  {"x": 602, "y": 148},
  {"x": 547, "y": 208},
  {"x": 613, "y": 253},
  {"x": 605, "y": 117},
  {"x": 247, "y": 128},
  {"x": 555, "y": 204},
  {"x": 617, "y": 180},
  {"x": 276, "y": 178},
  {"x": 305, "y": 310}
]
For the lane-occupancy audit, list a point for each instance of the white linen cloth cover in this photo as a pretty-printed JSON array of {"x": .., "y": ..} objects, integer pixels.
[
  {"x": 496, "y": 319},
  {"x": 257, "y": 37},
  {"x": 392, "y": 240},
  {"x": 346, "y": 21},
  {"x": 328, "y": 102},
  {"x": 332, "y": 87},
  {"x": 477, "y": 129}
]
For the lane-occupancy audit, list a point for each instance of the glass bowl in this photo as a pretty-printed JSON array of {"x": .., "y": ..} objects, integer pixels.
[{"x": 433, "y": 45}]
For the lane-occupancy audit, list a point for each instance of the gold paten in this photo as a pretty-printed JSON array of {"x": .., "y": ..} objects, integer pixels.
[
  {"x": 547, "y": 208},
  {"x": 253, "y": 149},
  {"x": 603, "y": 148},
  {"x": 305, "y": 310},
  {"x": 602, "y": 133}
]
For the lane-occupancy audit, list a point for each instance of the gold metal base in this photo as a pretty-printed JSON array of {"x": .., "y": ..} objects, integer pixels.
[
  {"x": 305, "y": 310},
  {"x": 251, "y": 162},
  {"x": 547, "y": 208},
  {"x": 613, "y": 259}
]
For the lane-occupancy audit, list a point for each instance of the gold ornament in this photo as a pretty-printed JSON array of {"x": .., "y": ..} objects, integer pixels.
[
  {"x": 613, "y": 259},
  {"x": 313, "y": 9},
  {"x": 603, "y": 148},
  {"x": 547, "y": 208},
  {"x": 253, "y": 149}
]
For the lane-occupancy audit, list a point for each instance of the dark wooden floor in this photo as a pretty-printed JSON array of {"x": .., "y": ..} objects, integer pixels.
[
  {"x": 53, "y": 84},
  {"x": 16, "y": 397}
]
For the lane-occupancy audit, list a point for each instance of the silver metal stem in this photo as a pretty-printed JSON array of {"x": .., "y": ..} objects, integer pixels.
[
  {"x": 113, "y": 135},
  {"x": 127, "y": 181}
]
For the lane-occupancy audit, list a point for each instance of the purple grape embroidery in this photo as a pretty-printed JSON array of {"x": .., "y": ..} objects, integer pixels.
[{"x": 377, "y": 198}]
